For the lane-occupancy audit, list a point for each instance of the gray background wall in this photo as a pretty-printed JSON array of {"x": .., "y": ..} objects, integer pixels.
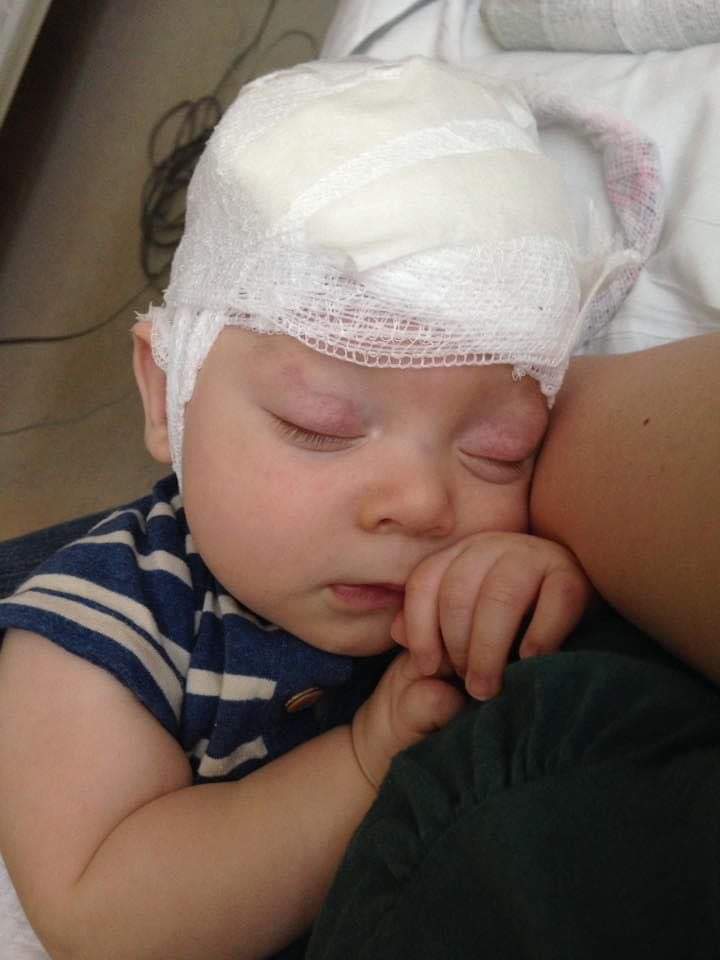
[{"x": 74, "y": 159}]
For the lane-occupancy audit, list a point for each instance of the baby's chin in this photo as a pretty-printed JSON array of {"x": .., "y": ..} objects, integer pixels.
[{"x": 352, "y": 640}]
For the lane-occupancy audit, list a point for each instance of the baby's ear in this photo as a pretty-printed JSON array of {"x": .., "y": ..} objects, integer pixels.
[{"x": 151, "y": 383}]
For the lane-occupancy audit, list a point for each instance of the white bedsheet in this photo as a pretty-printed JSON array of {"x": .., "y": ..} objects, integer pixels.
[
  {"x": 672, "y": 96},
  {"x": 17, "y": 940}
]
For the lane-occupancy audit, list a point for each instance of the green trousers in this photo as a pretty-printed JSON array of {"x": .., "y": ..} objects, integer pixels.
[{"x": 574, "y": 816}]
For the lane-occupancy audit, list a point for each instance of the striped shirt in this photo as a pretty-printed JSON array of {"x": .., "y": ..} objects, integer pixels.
[{"x": 134, "y": 597}]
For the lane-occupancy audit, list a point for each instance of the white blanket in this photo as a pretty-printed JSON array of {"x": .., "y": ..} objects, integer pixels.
[
  {"x": 602, "y": 26},
  {"x": 672, "y": 96},
  {"x": 17, "y": 939}
]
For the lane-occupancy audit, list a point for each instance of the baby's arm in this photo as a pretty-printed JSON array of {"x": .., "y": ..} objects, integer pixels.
[
  {"x": 629, "y": 479},
  {"x": 114, "y": 854}
]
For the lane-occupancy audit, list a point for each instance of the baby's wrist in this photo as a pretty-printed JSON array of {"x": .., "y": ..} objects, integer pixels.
[{"x": 361, "y": 761}]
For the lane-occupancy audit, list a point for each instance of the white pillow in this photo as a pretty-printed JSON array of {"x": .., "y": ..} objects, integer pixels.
[
  {"x": 431, "y": 28},
  {"x": 673, "y": 96}
]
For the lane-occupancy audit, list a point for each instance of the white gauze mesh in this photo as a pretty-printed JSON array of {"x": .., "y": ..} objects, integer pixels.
[{"x": 390, "y": 214}]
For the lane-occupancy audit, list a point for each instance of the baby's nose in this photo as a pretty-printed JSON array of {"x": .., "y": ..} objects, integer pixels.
[{"x": 413, "y": 497}]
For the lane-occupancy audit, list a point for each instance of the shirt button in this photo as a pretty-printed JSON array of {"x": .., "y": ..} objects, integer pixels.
[{"x": 303, "y": 700}]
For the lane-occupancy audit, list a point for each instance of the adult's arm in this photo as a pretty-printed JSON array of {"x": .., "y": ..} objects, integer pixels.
[{"x": 629, "y": 480}]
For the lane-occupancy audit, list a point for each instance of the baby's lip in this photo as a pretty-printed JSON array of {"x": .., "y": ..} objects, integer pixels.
[
  {"x": 396, "y": 590},
  {"x": 380, "y": 584},
  {"x": 368, "y": 596}
]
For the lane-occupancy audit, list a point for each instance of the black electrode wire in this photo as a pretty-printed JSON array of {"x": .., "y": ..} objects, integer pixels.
[
  {"x": 246, "y": 51},
  {"x": 312, "y": 42},
  {"x": 163, "y": 195},
  {"x": 17, "y": 341},
  {"x": 162, "y": 216},
  {"x": 364, "y": 45},
  {"x": 162, "y": 208},
  {"x": 128, "y": 394}
]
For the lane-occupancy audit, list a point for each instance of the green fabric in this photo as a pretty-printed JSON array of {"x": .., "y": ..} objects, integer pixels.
[{"x": 574, "y": 816}]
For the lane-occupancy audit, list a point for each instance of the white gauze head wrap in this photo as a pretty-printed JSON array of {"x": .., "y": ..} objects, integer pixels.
[{"x": 397, "y": 214}]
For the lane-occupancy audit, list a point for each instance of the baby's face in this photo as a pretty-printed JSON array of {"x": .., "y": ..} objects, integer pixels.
[{"x": 313, "y": 486}]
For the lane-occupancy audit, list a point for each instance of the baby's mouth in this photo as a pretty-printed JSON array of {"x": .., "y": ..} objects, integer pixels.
[{"x": 369, "y": 596}]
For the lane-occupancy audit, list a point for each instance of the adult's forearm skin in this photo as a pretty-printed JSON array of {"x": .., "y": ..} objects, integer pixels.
[{"x": 629, "y": 480}]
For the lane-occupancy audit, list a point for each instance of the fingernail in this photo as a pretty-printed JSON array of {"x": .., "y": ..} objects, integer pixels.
[{"x": 479, "y": 687}]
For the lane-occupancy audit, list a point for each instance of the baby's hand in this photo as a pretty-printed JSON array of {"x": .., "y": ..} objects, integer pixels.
[
  {"x": 404, "y": 708},
  {"x": 465, "y": 605}
]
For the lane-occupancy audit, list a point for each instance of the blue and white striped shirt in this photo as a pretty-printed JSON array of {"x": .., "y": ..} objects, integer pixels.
[{"x": 134, "y": 597}]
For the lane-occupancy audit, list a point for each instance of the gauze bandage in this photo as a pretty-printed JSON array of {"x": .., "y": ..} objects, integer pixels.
[{"x": 388, "y": 214}]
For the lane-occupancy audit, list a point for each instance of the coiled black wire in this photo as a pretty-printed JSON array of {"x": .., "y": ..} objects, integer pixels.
[
  {"x": 162, "y": 216},
  {"x": 186, "y": 126}
]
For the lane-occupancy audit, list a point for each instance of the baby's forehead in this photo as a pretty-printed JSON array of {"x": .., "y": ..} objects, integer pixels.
[{"x": 290, "y": 366}]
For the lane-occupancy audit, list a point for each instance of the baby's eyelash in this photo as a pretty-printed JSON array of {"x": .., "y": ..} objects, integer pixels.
[
  {"x": 506, "y": 469},
  {"x": 309, "y": 437},
  {"x": 515, "y": 465}
]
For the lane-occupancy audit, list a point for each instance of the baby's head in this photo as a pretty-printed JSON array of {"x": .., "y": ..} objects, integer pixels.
[{"x": 375, "y": 256}]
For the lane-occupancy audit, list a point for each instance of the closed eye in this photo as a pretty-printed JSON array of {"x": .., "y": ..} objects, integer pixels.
[
  {"x": 495, "y": 470},
  {"x": 311, "y": 439}
]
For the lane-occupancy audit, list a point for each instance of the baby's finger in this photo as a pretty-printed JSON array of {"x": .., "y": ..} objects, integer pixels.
[
  {"x": 399, "y": 635},
  {"x": 507, "y": 593},
  {"x": 397, "y": 629},
  {"x": 457, "y": 599},
  {"x": 422, "y": 630},
  {"x": 562, "y": 600}
]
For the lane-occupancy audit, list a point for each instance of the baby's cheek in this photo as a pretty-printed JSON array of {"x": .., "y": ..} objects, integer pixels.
[
  {"x": 497, "y": 507},
  {"x": 521, "y": 505},
  {"x": 517, "y": 513}
]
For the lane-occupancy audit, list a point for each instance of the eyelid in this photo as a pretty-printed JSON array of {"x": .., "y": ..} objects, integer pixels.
[
  {"x": 510, "y": 441},
  {"x": 499, "y": 459},
  {"x": 507, "y": 470},
  {"x": 315, "y": 438}
]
